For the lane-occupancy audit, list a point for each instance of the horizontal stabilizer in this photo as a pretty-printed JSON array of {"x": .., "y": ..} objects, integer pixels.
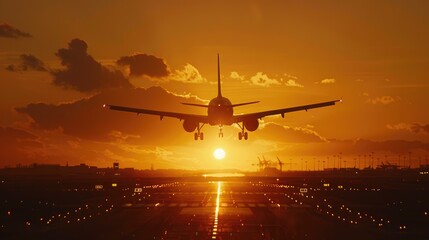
[
  {"x": 196, "y": 105},
  {"x": 241, "y": 104}
]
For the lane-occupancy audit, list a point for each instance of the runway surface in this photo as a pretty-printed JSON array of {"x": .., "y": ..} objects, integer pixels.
[{"x": 218, "y": 208}]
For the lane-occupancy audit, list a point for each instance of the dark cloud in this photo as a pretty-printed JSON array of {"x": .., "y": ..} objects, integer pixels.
[
  {"x": 142, "y": 64},
  {"x": 8, "y": 133},
  {"x": 394, "y": 146},
  {"x": 420, "y": 128},
  {"x": 411, "y": 127},
  {"x": 361, "y": 147},
  {"x": 362, "y": 152},
  {"x": 87, "y": 119},
  {"x": 28, "y": 63},
  {"x": 83, "y": 73},
  {"x": 8, "y": 31}
]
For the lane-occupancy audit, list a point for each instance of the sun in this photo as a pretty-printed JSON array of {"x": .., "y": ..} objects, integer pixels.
[{"x": 219, "y": 153}]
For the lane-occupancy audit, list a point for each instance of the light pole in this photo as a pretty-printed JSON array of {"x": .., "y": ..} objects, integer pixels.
[{"x": 409, "y": 159}]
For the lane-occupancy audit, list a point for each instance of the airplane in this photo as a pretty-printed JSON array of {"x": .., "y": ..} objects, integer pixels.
[{"x": 220, "y": 112}]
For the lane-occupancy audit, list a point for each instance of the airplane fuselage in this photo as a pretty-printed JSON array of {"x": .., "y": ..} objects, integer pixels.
[{"x": 220, "y": 111}]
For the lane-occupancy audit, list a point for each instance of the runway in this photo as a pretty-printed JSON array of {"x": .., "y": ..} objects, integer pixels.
[{"x": 221, "y": 208}]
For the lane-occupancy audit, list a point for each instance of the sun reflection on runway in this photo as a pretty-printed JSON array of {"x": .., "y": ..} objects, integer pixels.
[{"x": 215, "y": 224}]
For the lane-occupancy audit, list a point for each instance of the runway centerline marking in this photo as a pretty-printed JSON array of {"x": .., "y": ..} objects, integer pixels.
[{"x": 216, "y": 218}]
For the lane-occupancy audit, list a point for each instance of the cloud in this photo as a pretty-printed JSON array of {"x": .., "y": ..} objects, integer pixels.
[
  {"x": 394, "y": 146},
  {"x": 14, "y": 143},
  {"x": 292, "y": 83},
  {"x": 328, "y": 81},
  {"x": 142, "y": 64},
  {"x": 276, "y": 132},
  {"x": 189, "y": 74},
  {"x": 83, "y": 73},
  {"x": 411, "y": 127},
  {"x": 384, "y": 100},
  {"x": 8, "y": 31},
  {"x": 236, "y": 76},
  {"x": 87, "y": 119},
  {"x": 261, "y": 79},
  {"x": 355, "y": 147},
  {"x": 424, "y": 85},
  {"x": 28, "y": 63},
  {"x": 14, "y": 134}
]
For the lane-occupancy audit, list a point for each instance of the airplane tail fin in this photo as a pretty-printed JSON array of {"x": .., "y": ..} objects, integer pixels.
[{"x": 219, "y": 92}]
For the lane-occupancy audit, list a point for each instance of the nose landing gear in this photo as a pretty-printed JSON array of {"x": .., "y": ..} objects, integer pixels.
[{"x": 220, "y": 131}]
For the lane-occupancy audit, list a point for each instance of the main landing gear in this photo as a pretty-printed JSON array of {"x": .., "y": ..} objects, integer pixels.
[
  {"x": 199, "y": 134},
  {"x": 243, "y": 133}
]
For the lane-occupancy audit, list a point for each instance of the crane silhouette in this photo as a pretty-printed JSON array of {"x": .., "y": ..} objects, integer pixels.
[{"x": 280, "y": 164}]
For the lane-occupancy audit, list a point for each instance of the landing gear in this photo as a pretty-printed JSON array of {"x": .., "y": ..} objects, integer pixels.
[
  {"x": 242, "y": 134},
  {"x": 220, "y": 131},
  {"x": 199, "y": 134}
]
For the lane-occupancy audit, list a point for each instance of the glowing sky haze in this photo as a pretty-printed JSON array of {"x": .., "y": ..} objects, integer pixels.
[{"x": 61, "y": 60}]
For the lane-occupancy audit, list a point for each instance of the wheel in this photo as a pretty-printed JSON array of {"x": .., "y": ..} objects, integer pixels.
[
  {"x": 240, "y": 135},
  {"x": 201, "y": 136},
  {"x": 196, "y": 136},
  {"x": 246, "y": 136}
]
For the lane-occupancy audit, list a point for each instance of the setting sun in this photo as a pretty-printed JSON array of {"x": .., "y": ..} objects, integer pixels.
[{"x": 219, "y": 153}]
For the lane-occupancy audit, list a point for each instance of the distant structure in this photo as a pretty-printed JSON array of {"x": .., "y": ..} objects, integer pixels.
[
  {"x": 116, "y": 166},
  {"x": 266, "y": 167},
  {"x": 387, "y": 166},
  {"x": 280, "y": 164},
  {"x": 151, "y": 167}
]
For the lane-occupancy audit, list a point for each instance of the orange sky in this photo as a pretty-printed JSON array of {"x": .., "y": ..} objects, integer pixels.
[{"x": 60, "y": 61}]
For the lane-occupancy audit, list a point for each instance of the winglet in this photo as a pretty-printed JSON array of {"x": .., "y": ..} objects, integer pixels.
[{"x": 219, "y": 93}]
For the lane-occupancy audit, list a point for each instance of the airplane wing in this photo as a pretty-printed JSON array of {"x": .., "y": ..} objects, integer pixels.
[
  {"x": 161, "y": 114},
  {"x": 259, "y": 115}
]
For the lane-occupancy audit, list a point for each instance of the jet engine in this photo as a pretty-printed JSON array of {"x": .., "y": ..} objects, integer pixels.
[
  {"x": 251, "y": 124},
  {"x": 189, "y": 125}
]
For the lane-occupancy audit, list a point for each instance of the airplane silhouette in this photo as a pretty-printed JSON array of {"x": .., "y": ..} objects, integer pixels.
[{"x": 220, "y": 111}]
